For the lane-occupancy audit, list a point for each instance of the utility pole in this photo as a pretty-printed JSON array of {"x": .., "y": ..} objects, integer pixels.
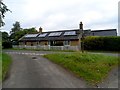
[{"x": 82, "y": 36}]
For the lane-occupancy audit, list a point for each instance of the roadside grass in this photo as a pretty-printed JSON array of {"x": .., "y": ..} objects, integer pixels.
[
  {"x": 6, "y": 61},
  {"x": 91, "y": 67},
  {"x": 100, "y": 51}
]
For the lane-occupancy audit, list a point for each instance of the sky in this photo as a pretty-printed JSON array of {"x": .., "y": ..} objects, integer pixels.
[{"x": 53, "y": 15}]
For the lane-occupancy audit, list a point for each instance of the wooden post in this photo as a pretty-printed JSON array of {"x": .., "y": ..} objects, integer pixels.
[{"x": 82, "y": 37}]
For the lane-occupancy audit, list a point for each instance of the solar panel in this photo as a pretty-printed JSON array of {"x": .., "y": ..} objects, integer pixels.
[
  {"x": 42, "y": 35},
  {"x": 55, "y": 34},
  {"x": 31, "y": 35},
  {"x": 70, "y": 33}
]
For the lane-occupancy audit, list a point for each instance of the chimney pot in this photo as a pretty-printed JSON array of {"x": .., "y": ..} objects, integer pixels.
[{"x": 40, "y": 30}]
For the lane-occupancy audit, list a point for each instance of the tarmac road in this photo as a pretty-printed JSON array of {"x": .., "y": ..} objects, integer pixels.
[{"x": 34, "y": 71}]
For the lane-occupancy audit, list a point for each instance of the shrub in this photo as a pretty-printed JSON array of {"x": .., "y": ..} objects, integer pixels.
[
  {"x": 111, "y": 43},
  {"x": 6, "y": 45}
]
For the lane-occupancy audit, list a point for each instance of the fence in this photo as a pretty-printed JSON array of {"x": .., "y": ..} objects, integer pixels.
[{"x": 74, "y": 48}]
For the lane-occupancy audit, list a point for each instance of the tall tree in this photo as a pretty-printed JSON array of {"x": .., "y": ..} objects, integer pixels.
[
  {"x": 16, "y": 27},
  {"x": 17, "y": 32},
  {"x": 3, "y": 10},
  {"x": 17, "y": 35}
]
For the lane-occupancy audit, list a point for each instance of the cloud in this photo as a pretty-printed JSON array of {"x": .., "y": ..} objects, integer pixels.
[{"x": 62, "y": 14}]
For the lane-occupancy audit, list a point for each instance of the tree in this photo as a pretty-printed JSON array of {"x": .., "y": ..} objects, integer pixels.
[
  {"x": 30, "y": 30},
  {"x": 17, "y": 32},
  {"x": 22, "y": 32},
  {"x": 5, "y": 36},
  {"x": 16, "y": 27},
  {"x": 3, "y": 10}
]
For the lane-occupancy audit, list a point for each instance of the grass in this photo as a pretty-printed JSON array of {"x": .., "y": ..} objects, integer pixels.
[
  {"x": 100, "y": 51},
  {"x": 91, "y": 67},
  {"x": 6, "y": 61}
]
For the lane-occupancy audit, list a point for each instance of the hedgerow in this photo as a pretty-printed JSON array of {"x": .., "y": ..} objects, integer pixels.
[{"x": 111, "y": 43}]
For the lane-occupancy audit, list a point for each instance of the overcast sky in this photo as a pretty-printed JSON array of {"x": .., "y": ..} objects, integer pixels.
[{"x": 62, "y": 14}]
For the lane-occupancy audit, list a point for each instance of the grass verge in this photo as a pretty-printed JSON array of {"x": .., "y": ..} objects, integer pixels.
[
  {"x": 91, "y": 67},
  {"x": 98, "y": 51},
  {"x": 6, "y": 61}
]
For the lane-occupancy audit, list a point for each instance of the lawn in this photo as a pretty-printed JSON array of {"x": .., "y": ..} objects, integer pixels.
[
  {"x": 6, "y": 61},
  {"x": 91, "y": 67}
]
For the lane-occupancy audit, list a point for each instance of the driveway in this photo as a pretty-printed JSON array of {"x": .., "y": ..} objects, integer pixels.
[{"x": 30, "y": 70}]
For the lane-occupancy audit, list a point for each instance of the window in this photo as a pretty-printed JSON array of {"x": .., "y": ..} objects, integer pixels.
[{"x": 66, "y": 42}]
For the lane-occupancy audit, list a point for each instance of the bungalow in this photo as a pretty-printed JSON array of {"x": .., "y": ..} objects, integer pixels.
[
  {"x": 62, "y": 37},
  {"x": 53, "y": 38}
]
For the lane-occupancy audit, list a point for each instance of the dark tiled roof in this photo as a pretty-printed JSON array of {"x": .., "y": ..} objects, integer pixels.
[
  {"x": 104, "y": 30},
  {"x": 47, "y": 37},
  {"x": 62, "y": 36}
]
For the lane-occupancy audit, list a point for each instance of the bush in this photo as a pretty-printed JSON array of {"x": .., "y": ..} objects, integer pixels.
[
  {"x": 6, "y": 45},
  {"x": 111, "y": 43}
]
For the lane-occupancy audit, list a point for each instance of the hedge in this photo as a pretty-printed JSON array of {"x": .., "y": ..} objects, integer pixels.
[
  {"x": 111, "y": 43},
  {"x": 6, "y": 45}
]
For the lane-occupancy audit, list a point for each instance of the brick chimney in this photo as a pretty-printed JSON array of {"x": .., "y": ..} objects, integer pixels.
[
  {"x": 40, "y": 30},
  {"x": 81, "y": 26}
]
